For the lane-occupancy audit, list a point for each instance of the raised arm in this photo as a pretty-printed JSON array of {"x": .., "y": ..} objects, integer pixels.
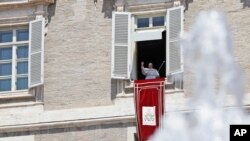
[{"x": 142, "y": 68}]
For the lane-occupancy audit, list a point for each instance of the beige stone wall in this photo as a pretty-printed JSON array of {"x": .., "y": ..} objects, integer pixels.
[
  {"x": 78, "y": 63},
  {"x": 239, "y": 21},
  {"x": 78, "y": 49},
  {"x": 112, "y": 132},
  {"x": 78, "y": 54}
]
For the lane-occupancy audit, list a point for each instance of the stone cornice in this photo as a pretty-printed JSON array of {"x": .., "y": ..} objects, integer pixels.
[
  {"x": 27, "y": 3},
  {"x": 149, "y": 7},
  {"x": 65, "y": 124},
  {"x": 16, "y": 21},
  {"x": 121, "y": 112},
  {"x": 40, "y": 7}
]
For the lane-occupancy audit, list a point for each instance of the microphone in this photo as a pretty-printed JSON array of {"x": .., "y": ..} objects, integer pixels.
[{"x": 161, "y": 65}]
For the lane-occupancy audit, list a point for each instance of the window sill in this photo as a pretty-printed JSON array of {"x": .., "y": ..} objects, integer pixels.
[
  {"x": 150, "y": 28},
  {"x": 23, "y": 104},
  {"x": 169, "y": 89},
  {"x": 19, "y": 93},
  {"x": 24, "y": 2},
  {"x": 15, "y": 98},
  {"x": 167, "y": 92}
]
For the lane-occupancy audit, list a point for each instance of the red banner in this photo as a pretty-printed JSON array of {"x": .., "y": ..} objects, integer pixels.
[{"x": 149, "y": 105}]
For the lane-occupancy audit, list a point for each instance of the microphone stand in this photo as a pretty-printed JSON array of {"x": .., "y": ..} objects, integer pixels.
[{"x": 161, "y": 66}]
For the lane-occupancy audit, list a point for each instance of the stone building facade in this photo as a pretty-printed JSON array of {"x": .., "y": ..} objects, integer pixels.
[{"x": 75, "y": 96}]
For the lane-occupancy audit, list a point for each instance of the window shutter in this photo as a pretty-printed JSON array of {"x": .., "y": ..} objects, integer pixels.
[
  {"x": 175, "y": 19},
  {"x": 36, "y": 52},
  {"x": 120, "y": 45}
]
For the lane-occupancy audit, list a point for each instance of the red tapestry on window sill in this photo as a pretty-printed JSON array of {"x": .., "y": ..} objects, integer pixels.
[{"x": 149, "y": 105}]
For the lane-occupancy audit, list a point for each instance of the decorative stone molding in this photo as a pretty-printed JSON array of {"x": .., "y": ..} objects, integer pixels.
[
  {"x": 177, "y": 3},
  {"x": 150, "y": 7},
  {"x": 134, "y": 8},
  {"x": 39, "y": 6},
  {"x": 23, "y": 3},
  {"x": 141, "y": 5},
  {"x": 16, "y": 21}
]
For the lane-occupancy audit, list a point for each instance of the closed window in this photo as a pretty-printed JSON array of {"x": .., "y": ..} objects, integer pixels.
[
  {"x": 6, "y": 36},
  {"x": 142, "y": 22},
  {"x": 22, "y": 35},
  {"x": 150, "y": 21},
  {"x": 14, "y": 60},
  {"x": 158, "y": 21}
]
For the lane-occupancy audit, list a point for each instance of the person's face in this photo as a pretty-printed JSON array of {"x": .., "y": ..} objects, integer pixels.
[{"x": 150, "y": 65}]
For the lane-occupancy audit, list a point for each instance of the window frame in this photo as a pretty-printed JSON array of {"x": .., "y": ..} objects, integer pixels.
[
  {"x": 14, "y": 45},
  {"x": 150, "y": 16}
]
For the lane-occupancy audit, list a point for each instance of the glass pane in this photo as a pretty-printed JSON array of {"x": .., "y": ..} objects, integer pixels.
[
  {"x": 22, "y": 83},
  {"x": 6, "y": 53},
  {"x": 142, "y": 22},
  {"x": 5, "y": 69},
  {"x": 22, "y": 67},
  {"x": 22, "y": 52},
  {"x": 158, "y": 21},
  {"x": 23, "y": 35},
  {"x": 5, "y": 85},
  {"x": 5, "y": 36}
]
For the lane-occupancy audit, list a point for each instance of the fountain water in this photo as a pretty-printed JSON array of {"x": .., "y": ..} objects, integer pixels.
[{"x": 208, "y": 51}]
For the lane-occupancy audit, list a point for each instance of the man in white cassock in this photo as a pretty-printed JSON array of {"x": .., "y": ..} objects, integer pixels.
[{"x": 149, "y": 72}]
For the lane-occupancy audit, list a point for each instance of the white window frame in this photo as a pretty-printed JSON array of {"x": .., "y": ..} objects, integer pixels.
[
  {"x": 14, "y": 44},
  {"x": 150, "y": 28},
  {"x": 150, "y": 21}
]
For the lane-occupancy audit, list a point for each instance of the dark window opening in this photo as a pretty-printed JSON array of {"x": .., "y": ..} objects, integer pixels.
[{"x": 153, "y": 51}]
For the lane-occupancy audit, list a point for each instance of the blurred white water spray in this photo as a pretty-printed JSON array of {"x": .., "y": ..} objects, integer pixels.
[{"x": 209, "y": 53}]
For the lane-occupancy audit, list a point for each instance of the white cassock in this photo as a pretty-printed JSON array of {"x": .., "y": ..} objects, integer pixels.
[{"x": 150, "y": 73}]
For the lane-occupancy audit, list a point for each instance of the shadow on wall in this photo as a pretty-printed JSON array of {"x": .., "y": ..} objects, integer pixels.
[
  {"x": 246, "y": 3},
  {"x": 107, "y": 8},
  {"x": 113, "y": 88},
  {"x": 186, "y": 4},
  {"x": 51, "y": 11}
]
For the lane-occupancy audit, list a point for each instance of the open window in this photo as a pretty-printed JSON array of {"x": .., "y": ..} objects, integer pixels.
[
  {"x": 153, "y": 51},
  {"x": 36, "y": 53},
  {"x": 161, "y": 45},
  {"x": 21, "y": 57}
]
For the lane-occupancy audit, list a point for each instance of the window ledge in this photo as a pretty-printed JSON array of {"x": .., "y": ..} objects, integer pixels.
[
  {"x": 121, "y": 95},
  {"x": 22, "y": 104},
  {"x": 15, "y": 98},
  {"x": 150, "y": 28},
  {"x": 167, "y": 83},
  {"x": 16, "y": 94},
  {"x": 14, "y": 2},
  {"x": 23, "y": 2}
]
